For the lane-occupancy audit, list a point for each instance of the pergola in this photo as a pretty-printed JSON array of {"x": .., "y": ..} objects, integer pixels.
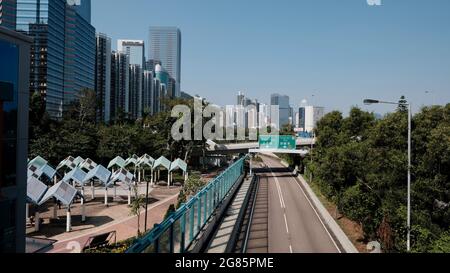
[
  {"x": 88, "y": 165},
  {"x": 143, "y": 162},
  {"x": 178, "y": 165},
  {"x": 44, "y": 170},
  {"x": 66, "y": 194},
  {"x": 124, "y": 176},
  {"x": 39, "y": 167},
  {"x": 67, "y": 164},
  {"x": 38, "y": 161},
  {"x": 162, "y": 163},
  {"x": 78, "y": 160},
  {"x": 38, "y": 193},
  {"x": 118, "y": 162},
  {"x": 102, "y": 175},
  {"x": 132, "y": 161},
  {"x": 77, "y": 176}
]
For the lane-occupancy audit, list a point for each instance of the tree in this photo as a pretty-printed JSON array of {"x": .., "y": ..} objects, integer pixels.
[{"x": 135, "y": 209}]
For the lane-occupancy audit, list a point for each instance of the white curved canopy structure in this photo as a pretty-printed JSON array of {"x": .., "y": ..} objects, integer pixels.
[
  {"x": 178, "y": 165},
  {"x": 117, "y": 162},
  {"x": 77, "y": 175},
  {"x": 88, "y": 165},
  {"x": 146, "y": 160},
  {"x": 162, "y": 162},
  {"x": 101, "y": 173},
  {"x": 68, "y": 162},
  {"x": 122, "y": 175}
]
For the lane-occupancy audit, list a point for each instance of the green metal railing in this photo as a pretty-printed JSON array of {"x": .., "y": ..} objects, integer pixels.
[{"x": 176, "y": 233}]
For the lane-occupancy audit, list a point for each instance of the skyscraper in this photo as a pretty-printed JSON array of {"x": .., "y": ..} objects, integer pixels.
[
  {"x": 45, "y": 22},
  {"x": 8, "y": 14},
  {"x": 63, "y": 52},
  {"x": 80, "y": 48},
  {"x": 83, "y": 8},
  {"x": 120, "y": 84},
  {"x": 240, "y": 98},
  {"x": 103, "y": 77},
  {"x": 165, "y": 47},
  {"x": 135, "y": 49},
  {"x": 282, "y": 102},
  {"x": 147, "y": 92},
  {"x": 135, "y": 102}
]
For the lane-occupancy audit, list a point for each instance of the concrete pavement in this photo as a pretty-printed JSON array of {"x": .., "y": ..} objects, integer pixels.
[{"x": 294, "y": 224}]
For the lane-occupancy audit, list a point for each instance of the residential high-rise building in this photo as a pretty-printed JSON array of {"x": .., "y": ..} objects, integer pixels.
[
  {"x": 135, "y": 102},
  {"x": 135, "y": 50},
  {"x": 282, "y": 101},
  {"x": 147, "y": 93},
  {"x": 8, "y": 14},
  {"x": 14, "y": 95},
  {"x": 103, "y": 78},
  {"x": 80, "y": 53},
  {"x": 44, "y": 21},
  {"x": 120, "y": 84},
  {"x": 165, "y": 48}
]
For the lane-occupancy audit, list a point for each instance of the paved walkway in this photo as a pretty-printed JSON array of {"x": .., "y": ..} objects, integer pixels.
[{"x": 125, "y": 228}]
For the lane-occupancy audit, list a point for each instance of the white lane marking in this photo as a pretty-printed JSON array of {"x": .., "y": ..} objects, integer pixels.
[
  {"x": 286, "y": 222},
  {"x": 315, "y": 211},
  {"x": 280, "y": 193},
  {"x": 317, "y": 214},
  {"x": 283, "y": 206}
]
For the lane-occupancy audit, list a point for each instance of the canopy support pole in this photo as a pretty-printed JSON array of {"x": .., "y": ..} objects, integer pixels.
[
  {"x": 93, "y": 190},
  {"x": 27, "y": 213},
  {"x": 83, "y": 209},
  {"x": 106, "y": 196},
  {"x": 69, "y": 220},
  {"x": 151, "y": 177},
  {"x": 37, "y": 221},
  {"x": 129, "y": 196}
]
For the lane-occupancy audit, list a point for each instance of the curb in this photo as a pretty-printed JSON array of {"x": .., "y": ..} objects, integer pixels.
[
  {"x": 337, "y": 232},
  {"x": 333, "y": 227}
]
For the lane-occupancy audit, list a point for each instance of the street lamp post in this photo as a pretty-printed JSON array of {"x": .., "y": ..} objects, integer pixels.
[{"x": 369, "y": 102}]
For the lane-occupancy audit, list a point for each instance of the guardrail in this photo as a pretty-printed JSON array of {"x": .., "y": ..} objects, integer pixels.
[{"x": 176, "y": 233}]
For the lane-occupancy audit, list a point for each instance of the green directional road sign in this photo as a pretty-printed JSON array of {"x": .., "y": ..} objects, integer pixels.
[{"x": 277, "y": 142}]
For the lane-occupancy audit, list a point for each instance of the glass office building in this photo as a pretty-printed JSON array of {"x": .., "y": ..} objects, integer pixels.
[
  {"x": 44, "y": 20},
  {"x": 14, "y": 95},
  {"x": 80, "y": 55},
  {"x": 282, "y": 102},
  {"x": 165, "y": 48},
  {"x": 8, "y": 14},
  {"x": 63, "y": 52},
  {"x": 84, "y": 9}
]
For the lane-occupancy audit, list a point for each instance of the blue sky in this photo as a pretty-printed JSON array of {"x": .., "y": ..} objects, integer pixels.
[{"x": 339, "y": 50}]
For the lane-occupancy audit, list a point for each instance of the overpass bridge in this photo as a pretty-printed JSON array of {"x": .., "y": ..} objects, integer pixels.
[
  {"x": 271, "y": 211},
  {"x": 244, "y": 148}
]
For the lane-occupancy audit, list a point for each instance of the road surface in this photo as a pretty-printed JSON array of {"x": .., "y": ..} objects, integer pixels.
[{"x": 294, "y": 224}]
